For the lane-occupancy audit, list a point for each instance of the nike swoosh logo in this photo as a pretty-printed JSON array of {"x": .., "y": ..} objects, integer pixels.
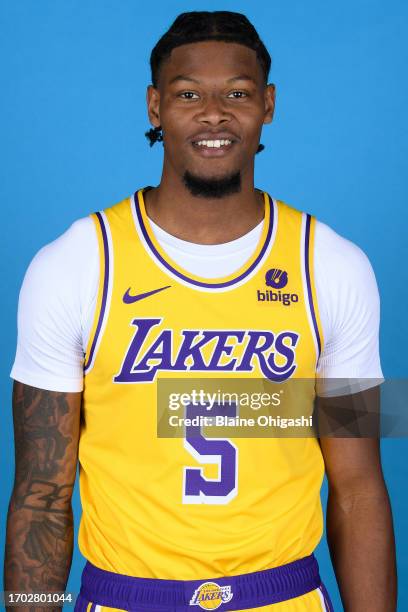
[{"x": 129, "y": 299}]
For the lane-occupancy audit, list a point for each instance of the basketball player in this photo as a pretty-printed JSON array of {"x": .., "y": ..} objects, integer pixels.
[{"x": 173, "y": 281}]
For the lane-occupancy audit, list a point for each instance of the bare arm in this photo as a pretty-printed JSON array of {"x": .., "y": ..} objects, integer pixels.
[
  {"x": 39, "y": 539},
  {"x": 359, "y": 521}
]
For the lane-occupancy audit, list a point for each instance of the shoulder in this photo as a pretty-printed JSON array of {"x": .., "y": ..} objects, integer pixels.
[
  {"x": 79, "y": 236},
  {"x": 62, "y": 278},
  {"x": 349, "y": 306},
  {"x": 55, "y": 300},
  {"x": 334, "y": 252},
  {"x": 344, "y": 276},
  {"x": 336, "y": 259},
  {"x": 65, "y": 259},
  {"x": 120, "y": 210}
]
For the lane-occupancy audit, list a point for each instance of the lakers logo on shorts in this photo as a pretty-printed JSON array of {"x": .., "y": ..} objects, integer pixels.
[{"x": 210, "y": 595}]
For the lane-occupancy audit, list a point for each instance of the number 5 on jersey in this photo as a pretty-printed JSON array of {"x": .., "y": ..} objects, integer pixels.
[{"x": 197, "y": 489}]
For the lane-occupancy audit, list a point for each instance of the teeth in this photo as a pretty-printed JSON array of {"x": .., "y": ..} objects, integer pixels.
[{"x": 213, "y": 143}]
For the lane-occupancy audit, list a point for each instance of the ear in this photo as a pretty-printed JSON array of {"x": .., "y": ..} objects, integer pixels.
[
  {"x": 153, "y": 105},
  {"x": 269, "y": 102}
]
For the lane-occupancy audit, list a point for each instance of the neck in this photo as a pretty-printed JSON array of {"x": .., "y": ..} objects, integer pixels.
[{"x": 204, "y": 220}]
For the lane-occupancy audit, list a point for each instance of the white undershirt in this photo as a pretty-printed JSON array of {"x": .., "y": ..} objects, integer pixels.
[{"x": 59, "y": 292}]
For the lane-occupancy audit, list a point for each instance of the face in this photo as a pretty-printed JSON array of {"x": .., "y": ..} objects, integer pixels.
[{"x": 211, "y": 102}]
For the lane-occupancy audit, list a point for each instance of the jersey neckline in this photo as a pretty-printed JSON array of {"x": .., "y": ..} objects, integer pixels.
[
  {"x": 208, "y": 251},
  {"x": 151, "y": 244}
]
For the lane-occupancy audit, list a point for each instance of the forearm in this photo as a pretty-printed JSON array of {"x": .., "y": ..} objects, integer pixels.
[
  {"x": 39, "y": 547},
  {"x": 361, "y": 542},
  {"x": 39, "y": 539}
]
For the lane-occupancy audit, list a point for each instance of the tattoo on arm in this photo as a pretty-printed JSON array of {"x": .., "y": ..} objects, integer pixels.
[{"x": 40, "y": 523}]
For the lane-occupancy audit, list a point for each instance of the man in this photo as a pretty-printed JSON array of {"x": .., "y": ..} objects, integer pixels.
[{"x": 186, "y": 280}]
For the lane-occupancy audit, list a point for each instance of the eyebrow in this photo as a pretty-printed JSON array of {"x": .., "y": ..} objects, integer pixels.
[
  {"x": 181, "y": 77},
  {"x": 241, "y": 77}
]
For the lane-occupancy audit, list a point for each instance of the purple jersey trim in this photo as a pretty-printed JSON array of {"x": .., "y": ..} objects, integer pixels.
[
  {"x": 252, "y": 590},
  {"x": 326, "y": 597},
  {"x": 105, "y": 290},
  {"x": 193, "y": 281},
  {"x": 309, "y": 286}
]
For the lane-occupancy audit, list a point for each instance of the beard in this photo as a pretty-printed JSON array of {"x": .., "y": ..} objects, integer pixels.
[{"x": 212, "y": 188}]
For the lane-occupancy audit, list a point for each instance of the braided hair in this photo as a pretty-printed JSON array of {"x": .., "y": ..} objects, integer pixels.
[
  {"x": 154, "y": 135},
  {"x": 199, "y": 26}
]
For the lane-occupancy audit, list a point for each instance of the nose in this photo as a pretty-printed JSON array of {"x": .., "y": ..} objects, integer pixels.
[{"x": 213, "y": 111}]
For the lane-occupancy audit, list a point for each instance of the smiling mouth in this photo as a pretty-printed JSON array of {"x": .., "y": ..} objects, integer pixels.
[
  {"x": 216, "y": 146},
  {"x": 213, "y": 144}
]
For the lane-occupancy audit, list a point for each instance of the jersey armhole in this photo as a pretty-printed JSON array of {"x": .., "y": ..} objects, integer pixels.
[
  {"x": 104, "y": 288},
  {"x": 308, "y": 247}
]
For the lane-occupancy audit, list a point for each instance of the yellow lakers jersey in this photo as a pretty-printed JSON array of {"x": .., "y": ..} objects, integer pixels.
[{"x": 187, "y": 508}]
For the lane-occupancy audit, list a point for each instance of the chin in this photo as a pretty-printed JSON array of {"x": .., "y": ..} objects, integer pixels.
[{"x": 214, "y": 186}]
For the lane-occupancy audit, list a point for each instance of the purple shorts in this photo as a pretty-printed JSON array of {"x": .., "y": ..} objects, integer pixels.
[{"x": 100, "y": 589}]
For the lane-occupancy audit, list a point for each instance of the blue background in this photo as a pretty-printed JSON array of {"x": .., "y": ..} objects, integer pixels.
[{"x": 73, "y": 115}]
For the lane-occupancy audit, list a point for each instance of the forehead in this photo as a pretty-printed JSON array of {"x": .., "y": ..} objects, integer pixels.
[{"x": 211, "y": 60}]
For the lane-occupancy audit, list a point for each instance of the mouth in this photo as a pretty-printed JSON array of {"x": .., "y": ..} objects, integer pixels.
[{"x": 213, "y": 147}]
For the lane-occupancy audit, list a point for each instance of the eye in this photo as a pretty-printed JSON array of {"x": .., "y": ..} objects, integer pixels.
[
  {"x": 188, "y": 95},
  {"x": 237, "y": 94}
]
